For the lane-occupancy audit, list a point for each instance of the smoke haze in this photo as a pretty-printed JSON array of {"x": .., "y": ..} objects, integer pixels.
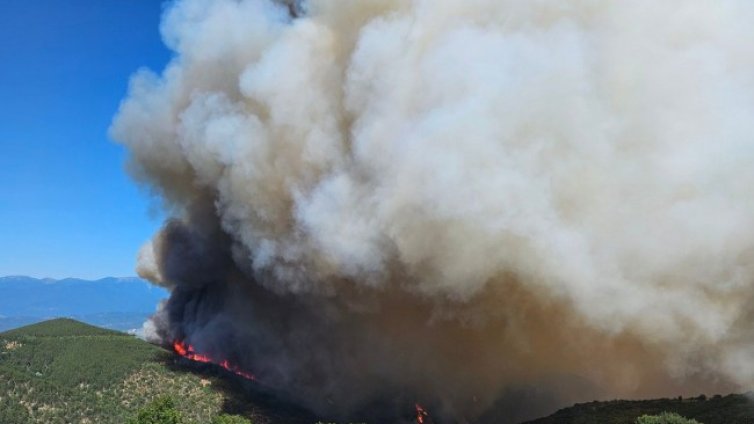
[{"x": 463, "y": 203}]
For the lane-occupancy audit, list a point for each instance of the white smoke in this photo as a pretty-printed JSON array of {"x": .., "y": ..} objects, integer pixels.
[{"x": 570, "y": 168}]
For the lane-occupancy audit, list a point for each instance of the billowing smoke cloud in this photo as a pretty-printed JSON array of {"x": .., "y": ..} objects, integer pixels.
[{"x": 464, "y": 203}]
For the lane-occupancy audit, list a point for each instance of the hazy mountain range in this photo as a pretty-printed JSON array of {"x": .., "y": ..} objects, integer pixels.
[{"x": 117, "y": 303}]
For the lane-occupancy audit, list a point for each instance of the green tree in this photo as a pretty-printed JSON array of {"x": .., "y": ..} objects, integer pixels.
[
  {"x": 230, "y": 419},
  {"x": 665, "y": 418},
  {"x": 13, "y": 412},
  {"x": 160, "y": 411}
]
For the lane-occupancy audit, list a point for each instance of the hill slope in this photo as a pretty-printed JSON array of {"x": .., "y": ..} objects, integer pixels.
[
  {"x": 731, "y": 409},
  {"x": 64, "y": 371}
]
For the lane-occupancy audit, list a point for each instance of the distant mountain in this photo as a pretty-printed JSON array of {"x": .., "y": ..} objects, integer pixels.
[{"x": 117, "y": 303}]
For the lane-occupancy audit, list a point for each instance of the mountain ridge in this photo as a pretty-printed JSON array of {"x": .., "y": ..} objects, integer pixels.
[{"x": 122, "y": 303}]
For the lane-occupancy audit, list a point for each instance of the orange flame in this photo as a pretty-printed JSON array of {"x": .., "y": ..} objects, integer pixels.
[
  {"x": 421, "y": 414},
  {"x": 187, "y": 351}
]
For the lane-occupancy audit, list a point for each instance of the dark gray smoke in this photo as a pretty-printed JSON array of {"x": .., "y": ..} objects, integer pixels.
[{"x": 491, "y": 207}]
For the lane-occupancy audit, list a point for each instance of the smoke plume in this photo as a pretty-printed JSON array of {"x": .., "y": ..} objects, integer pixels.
[{"x": 493, "y": 207}]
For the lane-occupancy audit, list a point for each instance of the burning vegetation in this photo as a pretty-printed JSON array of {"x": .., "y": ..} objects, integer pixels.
[{"x": 187, "y": 351}]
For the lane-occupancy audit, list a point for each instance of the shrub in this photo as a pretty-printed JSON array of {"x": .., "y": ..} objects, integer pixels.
[
  {"x": 665, "y": 418},
  {"x": 13, "y": 412},
  {"x": 230, "y": 419},
  {"x": 160, "y": 411}
]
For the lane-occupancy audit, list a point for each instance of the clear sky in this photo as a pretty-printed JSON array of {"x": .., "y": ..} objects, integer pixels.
[{"x": 67, "y": 209}]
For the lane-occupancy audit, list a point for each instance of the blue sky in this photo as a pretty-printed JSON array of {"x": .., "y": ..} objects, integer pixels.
[{"x": 67, "y": 209}]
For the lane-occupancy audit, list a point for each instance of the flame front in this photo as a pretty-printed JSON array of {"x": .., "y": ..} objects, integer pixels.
[
  {"x": 187, "y": 351},
  {"x": 421, "y": 414}
]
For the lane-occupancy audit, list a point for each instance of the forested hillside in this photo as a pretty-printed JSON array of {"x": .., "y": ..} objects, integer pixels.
[
  {"x": 64, "y": 371},
  {"x": 730, "y": 409}
]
